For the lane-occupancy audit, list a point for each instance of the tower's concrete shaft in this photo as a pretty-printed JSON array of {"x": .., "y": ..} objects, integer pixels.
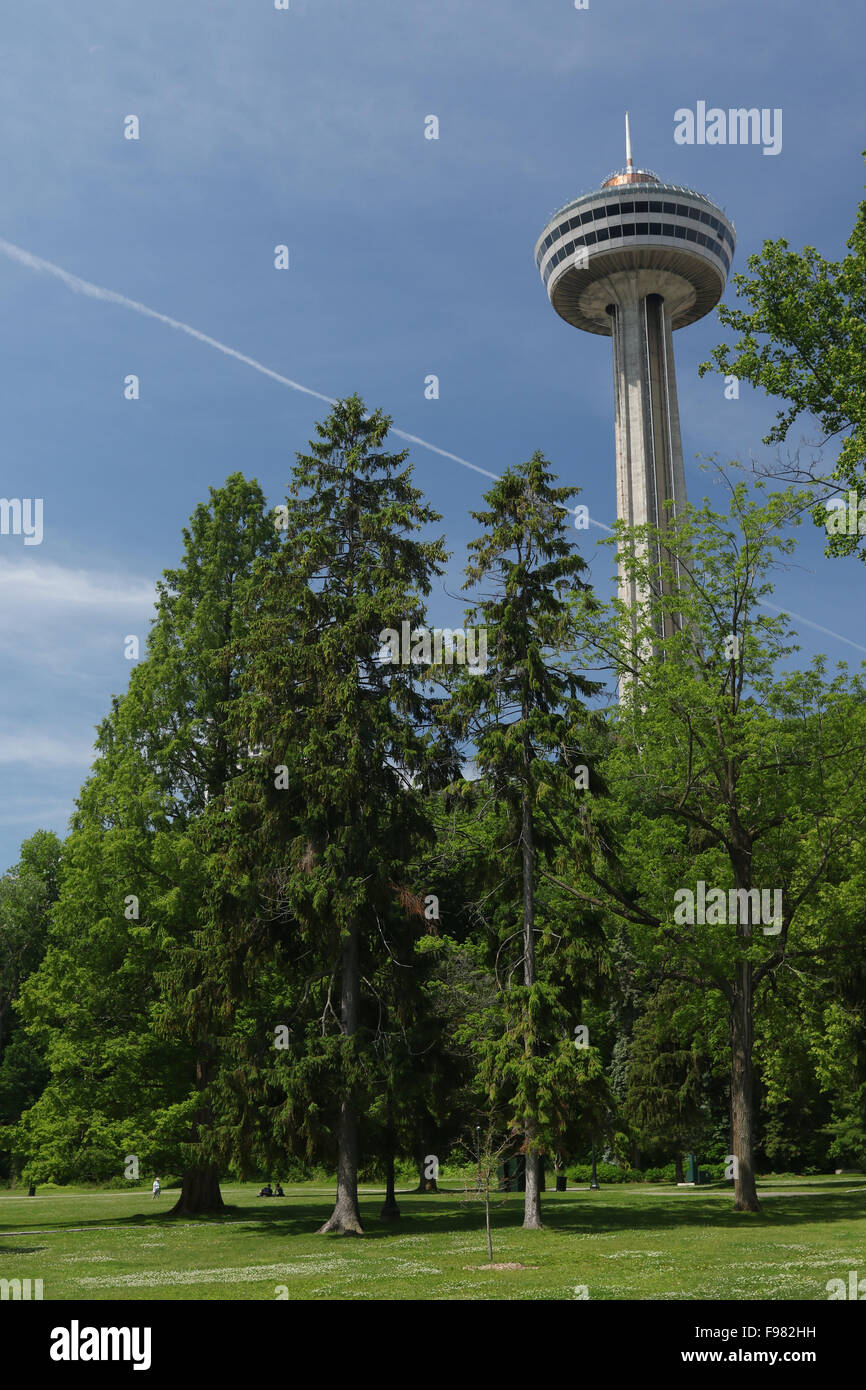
[{"x": 650, "y": 479}]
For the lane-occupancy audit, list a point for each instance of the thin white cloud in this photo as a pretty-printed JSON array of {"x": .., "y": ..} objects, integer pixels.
[
  {"x": 32, "y": 583},
  {"x": 35, "y": 814},
  {"x": 33, "y": 748}
]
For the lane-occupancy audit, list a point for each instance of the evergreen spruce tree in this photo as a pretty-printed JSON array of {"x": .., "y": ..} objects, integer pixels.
[
  {"x": 308, "y": 859},
  {"x": 527, "y": 721}
]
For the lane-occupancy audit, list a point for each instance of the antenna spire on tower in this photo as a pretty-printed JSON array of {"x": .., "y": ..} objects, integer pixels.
[{"x": 628, "y": 159}]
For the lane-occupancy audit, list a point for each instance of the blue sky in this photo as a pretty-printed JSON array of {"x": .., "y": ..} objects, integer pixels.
[{"x": 408, "y": 257}]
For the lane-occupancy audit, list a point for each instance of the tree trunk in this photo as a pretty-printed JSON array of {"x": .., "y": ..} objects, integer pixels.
[
  {"x": 390, "y": 1211},
  {"x": 742, "y": 1036},
  {"x": 743, "y": 1091},
  {"x": 345, "y": 1219},
  {"x": 487, "y": 1219},
  {"x": 678, "y": 1164},
  {"x": 532, "y": 1194},
  {"x": 424, "y": 1184},
  {"x": 200, "y": 1191}
]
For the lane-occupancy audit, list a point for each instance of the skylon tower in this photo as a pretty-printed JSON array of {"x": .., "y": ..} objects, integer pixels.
[{"x": 635, "y": 260}]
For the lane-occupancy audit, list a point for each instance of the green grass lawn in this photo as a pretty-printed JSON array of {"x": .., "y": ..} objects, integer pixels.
[{"x": 635, "y": 1242}]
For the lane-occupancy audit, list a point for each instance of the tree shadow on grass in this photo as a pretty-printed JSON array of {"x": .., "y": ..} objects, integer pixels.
[
  {"x": 578, "y": 1213},
  {"x": 690, "y": 1212},
  {"x": 143, "y": 1221}
]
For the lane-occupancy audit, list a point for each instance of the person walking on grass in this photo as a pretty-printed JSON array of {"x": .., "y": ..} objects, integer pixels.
[{"x": 156, "y": 1189}]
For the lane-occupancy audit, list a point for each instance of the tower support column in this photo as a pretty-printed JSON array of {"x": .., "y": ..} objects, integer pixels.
[{"x": 649, "y": 451}]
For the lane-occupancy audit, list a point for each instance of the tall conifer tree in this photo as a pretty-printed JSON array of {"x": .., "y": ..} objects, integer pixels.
[
  {"x": 526, "y": 718},
  {"x": 317, "y": 841}
]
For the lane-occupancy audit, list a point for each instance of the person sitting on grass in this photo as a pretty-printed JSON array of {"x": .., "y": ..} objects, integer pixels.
[
  {"x": 278, "y": 1191},
  {"x": 267, "y": 1191}
]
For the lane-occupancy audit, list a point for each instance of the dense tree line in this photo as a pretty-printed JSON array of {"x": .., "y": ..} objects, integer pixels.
[{"x": 330, "y": 896}]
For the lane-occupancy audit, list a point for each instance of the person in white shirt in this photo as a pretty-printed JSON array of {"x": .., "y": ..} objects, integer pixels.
[{"x": 156, "y": 1189}]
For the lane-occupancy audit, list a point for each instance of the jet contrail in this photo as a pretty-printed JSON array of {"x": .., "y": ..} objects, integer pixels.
[
  {"x": 74, "y": 282},
  {"x": 79, "y": 286},
  {"x": 787, "y": 612}
]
